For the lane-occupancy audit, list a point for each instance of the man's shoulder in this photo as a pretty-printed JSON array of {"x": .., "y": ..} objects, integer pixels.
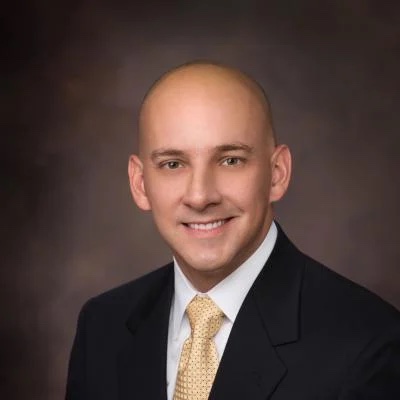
[
  {"x": 331, "y": 298},
  {"x": 122, "y": 299},
  {"x": 337, "y": 298}
]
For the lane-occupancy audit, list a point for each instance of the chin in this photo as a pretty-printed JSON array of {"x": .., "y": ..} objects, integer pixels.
[{"x": 207, "y": 265}]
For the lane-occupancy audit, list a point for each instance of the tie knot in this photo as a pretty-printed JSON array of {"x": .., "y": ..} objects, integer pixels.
[{"x": 205, "y": 317}]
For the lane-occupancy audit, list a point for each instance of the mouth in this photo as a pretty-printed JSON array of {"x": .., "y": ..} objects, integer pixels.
[{"x": 208, "y": 226}]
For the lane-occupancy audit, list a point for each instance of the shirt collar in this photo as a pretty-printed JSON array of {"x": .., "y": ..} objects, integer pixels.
[{"x": 228, "y": 294}]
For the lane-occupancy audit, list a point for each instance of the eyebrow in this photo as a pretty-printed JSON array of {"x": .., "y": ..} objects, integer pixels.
[
  {"x": 171, "y": 152},
  {"x": 166, "y": 153},
  {"x": 236, "y": 146}
]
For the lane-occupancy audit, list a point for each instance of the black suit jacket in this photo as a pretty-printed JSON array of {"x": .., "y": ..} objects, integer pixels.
[{"x": 303, "y": 332}]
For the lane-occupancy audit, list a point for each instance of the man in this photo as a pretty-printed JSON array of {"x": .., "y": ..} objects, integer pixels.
[{"x": 240, "y": 313}]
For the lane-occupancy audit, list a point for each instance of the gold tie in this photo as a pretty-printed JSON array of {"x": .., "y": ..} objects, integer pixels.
[{"x": 199, "y": 359}]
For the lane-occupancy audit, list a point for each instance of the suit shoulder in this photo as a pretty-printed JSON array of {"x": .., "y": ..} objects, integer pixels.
[
  {"x": 134, "y": 291},
  {"x": 338, "y": 296}
]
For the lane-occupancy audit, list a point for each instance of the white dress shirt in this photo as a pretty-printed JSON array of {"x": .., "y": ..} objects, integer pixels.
[{"x": 229, "y": 295}]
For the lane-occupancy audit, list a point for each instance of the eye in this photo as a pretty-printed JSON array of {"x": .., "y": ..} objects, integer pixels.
[
  {"x": 173, "y": 164},
  {"x": 232, "y": 161}
]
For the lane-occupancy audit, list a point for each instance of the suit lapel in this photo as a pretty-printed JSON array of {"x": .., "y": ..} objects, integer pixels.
[
  {"x": 250, "y": 367},
  {"x": 142, "y": 363}
]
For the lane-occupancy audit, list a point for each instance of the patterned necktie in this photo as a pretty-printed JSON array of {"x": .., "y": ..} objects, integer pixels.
[{"x": 199, "y": 359}]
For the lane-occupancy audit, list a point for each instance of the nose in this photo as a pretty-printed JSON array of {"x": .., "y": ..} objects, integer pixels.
[{"x": 201, "y": 189}]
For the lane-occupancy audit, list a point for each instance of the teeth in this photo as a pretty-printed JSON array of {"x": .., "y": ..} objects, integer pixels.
[{"x": 207, "y": 227}]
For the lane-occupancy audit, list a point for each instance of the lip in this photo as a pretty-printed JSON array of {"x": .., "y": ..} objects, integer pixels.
[{"x": 208, "y": 228}]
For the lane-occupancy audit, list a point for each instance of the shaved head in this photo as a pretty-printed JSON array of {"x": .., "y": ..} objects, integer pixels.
[
  {"x": 202, "y": 78},
  {"x": 208, "y": 167}
]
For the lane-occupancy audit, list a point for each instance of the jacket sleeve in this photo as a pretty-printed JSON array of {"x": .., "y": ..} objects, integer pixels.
[
  {"x": 376, "y": 372},
  {"x": 76, "y": 381}
]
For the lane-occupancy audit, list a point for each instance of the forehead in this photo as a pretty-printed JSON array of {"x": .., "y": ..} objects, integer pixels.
[{"x": 201, "y": 112}]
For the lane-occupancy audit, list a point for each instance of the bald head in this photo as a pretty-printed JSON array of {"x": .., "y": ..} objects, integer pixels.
[
  {"x": 208, "y": 168},
  {"x": 208, "y": 83}
]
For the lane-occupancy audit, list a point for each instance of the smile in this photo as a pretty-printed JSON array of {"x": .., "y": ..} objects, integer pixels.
[{"x": 207, "y": 226}]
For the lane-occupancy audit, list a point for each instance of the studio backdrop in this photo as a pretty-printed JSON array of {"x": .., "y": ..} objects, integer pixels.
[{"x": 75, "y": 74}]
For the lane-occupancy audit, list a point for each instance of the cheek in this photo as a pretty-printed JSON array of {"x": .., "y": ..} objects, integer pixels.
[
  {"x": 260, "y": 185},
  {"x": 163, "y": 194},
  {"x": 247, "y": 189}
]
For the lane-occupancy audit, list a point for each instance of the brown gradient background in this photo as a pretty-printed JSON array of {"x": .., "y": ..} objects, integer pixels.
[{"x": 74, "y": 75}]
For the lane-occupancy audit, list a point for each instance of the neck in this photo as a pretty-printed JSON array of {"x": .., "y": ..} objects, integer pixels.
[{"x": 204, "y": 281}]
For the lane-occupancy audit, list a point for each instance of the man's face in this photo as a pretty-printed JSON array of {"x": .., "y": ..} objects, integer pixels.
[{"x": 205, "y": 166}]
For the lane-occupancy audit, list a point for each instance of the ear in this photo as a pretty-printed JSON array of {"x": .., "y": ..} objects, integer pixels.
[
  {"x": 136, "y": 181},
  {"x": 281, "y": 169}
]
